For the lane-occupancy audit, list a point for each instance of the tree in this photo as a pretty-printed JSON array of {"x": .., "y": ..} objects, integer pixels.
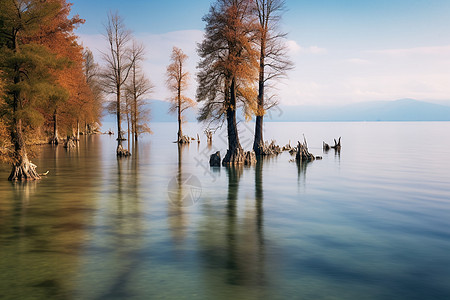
[
  {"x": 27, "y": 73},
  {"x": 177, "y": 82},
  {"x": 273, "y": 59},
  {"x": 118, "y": 67},
  {"x": 57, "y": 35},
  {"x": 136, "y": 88},
  {"x": 91, "y": 109},
  {"x": 227, "y": 68}
]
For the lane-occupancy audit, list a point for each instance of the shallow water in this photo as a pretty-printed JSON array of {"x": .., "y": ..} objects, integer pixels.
[{"x": 370, "y": 222}]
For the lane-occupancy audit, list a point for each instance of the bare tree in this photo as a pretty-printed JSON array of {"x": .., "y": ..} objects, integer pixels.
[
  {"x": 177, "y": 82},
  {"x": 119, "y": 64},
  {"x": 92, "y": 75},
  {"x": 137, "y": 87},
  {"x": 273, "y": 59},
  {"x": 227, "y": 68}
]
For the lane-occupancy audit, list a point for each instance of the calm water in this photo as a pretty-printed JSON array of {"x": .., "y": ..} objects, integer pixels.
[{"x": 369, "y": 223}]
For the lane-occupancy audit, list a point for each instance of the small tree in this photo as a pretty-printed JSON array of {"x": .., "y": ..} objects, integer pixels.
[
  {"x": 137, "y": 87},
  {"x": 273, "y": 59},
  {"x": 118, "y": 66},
  {"x": 177, "y": 82}
]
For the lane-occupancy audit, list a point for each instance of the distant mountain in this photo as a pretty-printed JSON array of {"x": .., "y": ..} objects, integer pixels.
[{"x": 399, "y": 110}]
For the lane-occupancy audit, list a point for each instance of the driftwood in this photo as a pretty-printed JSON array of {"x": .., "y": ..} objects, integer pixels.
[
  {"x": 287, "y": 147},
  {"x": 270, "y": 149},
  {"x": 325, "y": 147}
]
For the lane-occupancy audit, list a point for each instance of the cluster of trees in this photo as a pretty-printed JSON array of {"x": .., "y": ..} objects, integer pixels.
[
  {"x": 122, "y": 76},
  {"x": 49, "y": 83},
  {"x": 242, "y": 53}
]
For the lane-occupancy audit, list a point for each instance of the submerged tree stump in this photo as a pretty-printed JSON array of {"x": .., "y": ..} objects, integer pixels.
[
  {"x": 70, "y": 144},
  {"x": 24, "y": 170},
  {"x": 214, "y": 159},
  {"x": 54, "y": 140},
  {"x": 337, "y": 144},
  {"x": 303, "y": 154},
  {"x": 209, "y": 135},
  {"x": 121, "y": 152}
]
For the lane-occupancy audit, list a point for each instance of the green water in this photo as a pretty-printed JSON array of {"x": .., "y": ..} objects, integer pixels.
[{"x": 370, "y": 222}]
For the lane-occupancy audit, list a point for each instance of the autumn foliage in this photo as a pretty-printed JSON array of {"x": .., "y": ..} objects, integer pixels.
[{"x": 41, "y": 66}]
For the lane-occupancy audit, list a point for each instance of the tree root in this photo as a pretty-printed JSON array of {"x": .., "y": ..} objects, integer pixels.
[{"x": 24, "y": 171}]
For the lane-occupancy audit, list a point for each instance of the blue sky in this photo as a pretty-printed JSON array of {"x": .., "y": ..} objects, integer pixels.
[{"x": 344, "y": 50}]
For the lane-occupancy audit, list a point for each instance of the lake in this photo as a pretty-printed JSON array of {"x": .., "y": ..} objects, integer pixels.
[{"x": 370, "y": 222}]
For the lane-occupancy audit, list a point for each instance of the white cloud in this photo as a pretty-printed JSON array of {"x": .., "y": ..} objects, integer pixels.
[
  {"x": 422, "y": 73},
  {"x": 358, "y": 61},
  {"x": 295, "y": 48},
  {"x": 433, "y": 50}
]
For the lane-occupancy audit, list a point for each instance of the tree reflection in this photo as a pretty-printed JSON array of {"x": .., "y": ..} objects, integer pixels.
[
  {"x": 176, "y": 218},
  {"x": 244, "y": 236},
  {"x": 301, "y": 169}
]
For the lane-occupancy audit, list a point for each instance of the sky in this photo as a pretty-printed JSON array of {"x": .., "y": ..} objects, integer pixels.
[{"x": 344, "y": 51}]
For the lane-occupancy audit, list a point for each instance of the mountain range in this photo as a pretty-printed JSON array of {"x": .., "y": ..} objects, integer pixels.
[{"x": 398, "y": 110}]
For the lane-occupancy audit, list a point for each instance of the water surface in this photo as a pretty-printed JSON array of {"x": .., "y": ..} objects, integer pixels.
[{"x": 370, "y": 222}]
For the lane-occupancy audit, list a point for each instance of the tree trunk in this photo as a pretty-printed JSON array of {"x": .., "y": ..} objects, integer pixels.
[
  {"x": 55, "y": 138},
  {"x": 78, "y": 130},
  {"x": 180, "y": 132},
  {"x": 22, "y": 169},
  {"x": 128, "y": 123},
  {"x": 258, "y": 143},
  {"x": 135, "y": 129},
  {"x": 235, "y": 154},
  {"x": 119, "y": 118}
]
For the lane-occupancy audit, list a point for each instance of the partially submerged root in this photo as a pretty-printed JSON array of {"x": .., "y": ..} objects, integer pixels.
[
  {"x": 239, "y": 157},
  {"x": 70, "y": 144},
  {"x": 54, "y": 140},
  {"x": 24, "y": 171},
  {"x": 121, "y": 152}
]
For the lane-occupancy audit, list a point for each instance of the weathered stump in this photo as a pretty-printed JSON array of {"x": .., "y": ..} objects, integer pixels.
[
  {"x": 23, "y": 171},
  {"x": 214, "y": 159},
  {"x": 209, "y": 135},
  {"x": 325, "y": 147},
  {"x": 337, "y": 144},
  {"x": 121, "y": 152},
  {"x": 70, "y": 144},
  {"x": 54, "y": 140},
  {"x": 303, "y": 154},
  {"x": 184, "y": 140}
]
